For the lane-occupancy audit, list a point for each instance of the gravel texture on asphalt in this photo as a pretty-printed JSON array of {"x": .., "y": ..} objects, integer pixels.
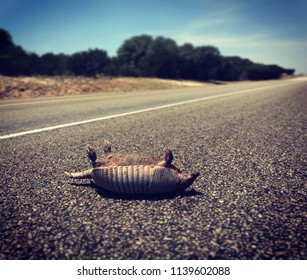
[{"x": 248, "y": 203}]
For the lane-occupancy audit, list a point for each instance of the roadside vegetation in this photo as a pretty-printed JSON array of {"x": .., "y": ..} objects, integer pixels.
[
  {"x": 41, "y": 86},
  {"x": 139, "y": 56}
]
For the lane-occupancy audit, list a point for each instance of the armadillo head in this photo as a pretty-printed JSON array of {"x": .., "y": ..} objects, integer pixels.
[
  {"x": 169, "y": 180},
  {"x": 183, "y": 180},
  {"x": 187, "y": 179}
]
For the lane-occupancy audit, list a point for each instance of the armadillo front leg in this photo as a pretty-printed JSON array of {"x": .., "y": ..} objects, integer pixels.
[{"x": 168, "y": 158}]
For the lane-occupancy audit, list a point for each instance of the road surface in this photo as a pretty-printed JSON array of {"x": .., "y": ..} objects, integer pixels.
[{"x": 247, "y": 140}]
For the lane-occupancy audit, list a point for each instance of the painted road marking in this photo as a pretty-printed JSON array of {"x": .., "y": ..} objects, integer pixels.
[
  {"x": 96, "y": 96},
  {"x": 13, "y": 135}
]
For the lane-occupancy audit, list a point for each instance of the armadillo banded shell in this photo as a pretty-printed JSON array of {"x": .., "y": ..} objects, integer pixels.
[
  {"x": 136, "y": 179},
  {"x": 124, "y": 179}
]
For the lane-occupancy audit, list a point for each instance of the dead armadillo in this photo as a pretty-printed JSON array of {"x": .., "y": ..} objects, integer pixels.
[{"x": 135, "y": 173}]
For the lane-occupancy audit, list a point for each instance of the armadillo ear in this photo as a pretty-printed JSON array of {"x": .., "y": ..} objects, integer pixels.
[{"x": 106, "y": 146}]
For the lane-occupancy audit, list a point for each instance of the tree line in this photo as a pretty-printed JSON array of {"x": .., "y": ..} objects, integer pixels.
[{"x": 139, "y": 56}]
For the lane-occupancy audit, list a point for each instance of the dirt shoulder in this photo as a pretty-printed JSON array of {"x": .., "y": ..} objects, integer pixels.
[{"x": 28, "y": 87}]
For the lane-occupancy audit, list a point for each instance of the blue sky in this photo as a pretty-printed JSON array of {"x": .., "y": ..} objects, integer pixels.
[{"x": 265, "y": 31}]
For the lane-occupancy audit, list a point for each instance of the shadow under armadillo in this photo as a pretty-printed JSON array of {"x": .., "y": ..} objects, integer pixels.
[{"x": 107, "y": 194}]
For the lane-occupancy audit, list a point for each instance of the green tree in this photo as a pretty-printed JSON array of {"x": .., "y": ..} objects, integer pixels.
[
  {"x": 51, "y": 64},
  {"x": 186, "y": 61},
  {"x": 207, "y": 61},
  {"x": 234, "y": 68},
  {"x": 131, "y": 54},
  {"x": 138, "y": 56},
  {"x": 161, "y": 60},
  {"x": 112, "y": 68},
  {"x": 13, "y": 59},
  {"x": 88, "y": 63},
  {"x": 6, "y": 40}
]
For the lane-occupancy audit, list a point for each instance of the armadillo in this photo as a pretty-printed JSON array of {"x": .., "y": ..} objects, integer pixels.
[{"x": 135, "y": 173}]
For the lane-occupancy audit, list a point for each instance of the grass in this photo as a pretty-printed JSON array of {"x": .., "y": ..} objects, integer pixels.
[{"x": 41, "y": 86}]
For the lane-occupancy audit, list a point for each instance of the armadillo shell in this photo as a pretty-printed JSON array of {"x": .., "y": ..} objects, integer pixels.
[{"x": 136, "y": 179}]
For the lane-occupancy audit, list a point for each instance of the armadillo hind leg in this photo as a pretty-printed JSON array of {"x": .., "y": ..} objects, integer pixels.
[
  {"x": 107, "y": 146},
  {"x": 87, "y": 174},
  {"x": 91, "y": 153}
]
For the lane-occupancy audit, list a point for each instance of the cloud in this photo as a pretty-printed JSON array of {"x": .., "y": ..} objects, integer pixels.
[
  {"x": 264, "y": 48},
  {"x": 218, "y": 18},
  {"x": 201, "y": 25},
  {"x": 260, "y": 40}
]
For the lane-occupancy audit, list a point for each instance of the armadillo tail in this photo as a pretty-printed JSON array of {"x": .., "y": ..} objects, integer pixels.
[{"x": 87, "y": 174}]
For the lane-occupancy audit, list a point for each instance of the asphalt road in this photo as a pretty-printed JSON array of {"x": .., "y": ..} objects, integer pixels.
[{"x": 248, "y": 203}]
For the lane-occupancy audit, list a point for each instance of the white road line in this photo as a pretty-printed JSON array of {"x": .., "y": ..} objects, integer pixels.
[{"x": 13, "y": 135}]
